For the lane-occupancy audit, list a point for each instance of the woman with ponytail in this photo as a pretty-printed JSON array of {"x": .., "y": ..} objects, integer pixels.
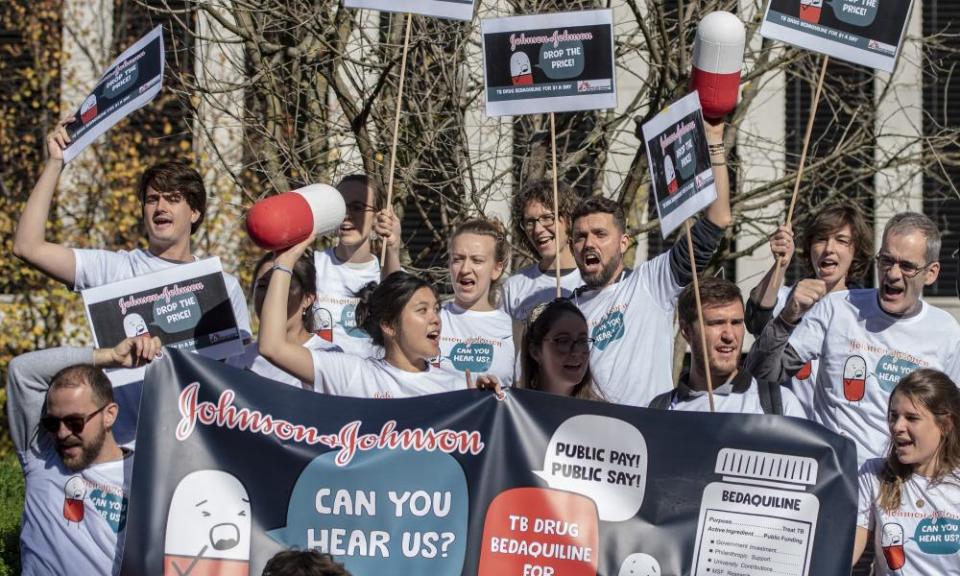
[
  {"x": 910, "y": 500},
  {"x": 401, "y": 314}
]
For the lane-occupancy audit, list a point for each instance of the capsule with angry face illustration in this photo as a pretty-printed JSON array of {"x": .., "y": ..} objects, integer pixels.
[
  {"x": 854, "y": 378},
  {"x": 208, "y": 527},
  {"x": 521, "y": 73},
  {"x": 134, "y": 325},
  {"x": 74, "y": 492},
  {"x": 670, "y": 174},
  {"x": 88, "y": 111},
  {"x": 324, "y": 321},
  {"x": 892, "y": 543}
]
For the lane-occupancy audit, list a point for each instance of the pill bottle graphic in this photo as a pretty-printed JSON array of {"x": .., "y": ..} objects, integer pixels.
[{"x": 758, "y": 519}]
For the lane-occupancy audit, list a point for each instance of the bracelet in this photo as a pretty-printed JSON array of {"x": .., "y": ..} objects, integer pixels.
[
  {"x": 282, "y": 268},
  {"x": 718, "y": 164},
  {"x": 717, "y": 149}
]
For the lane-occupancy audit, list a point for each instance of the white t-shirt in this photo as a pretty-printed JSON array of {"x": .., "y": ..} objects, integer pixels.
[
  {"x": 335, "y": 311},
  {"x": 348, "y": 375},
  {"x": 99, "y": 267},
  {"x": 481, "y": 342},
  {"x": 631, "y": 322},
  {"x": 528, "y": 287},
  {"x": 863, "y": 353},
  {"x": 726, "y": 400},
  {"x": 252, "y": 360},
  {"x": 922, "y": 536},
  {"x": 73, "y": 522},
  {"x": 803, "y": 382}
]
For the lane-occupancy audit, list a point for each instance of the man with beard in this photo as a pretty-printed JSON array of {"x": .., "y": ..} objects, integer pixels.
[
  {"x": 630, "y": 312},
  {"x": 865, "y": 340},
  {"x": 734, "y": 390},
  {"x": 61, "y": 410}
]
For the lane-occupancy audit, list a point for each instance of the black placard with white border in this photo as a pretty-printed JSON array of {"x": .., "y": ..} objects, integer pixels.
[
  {"x": 187, "y": 307},
  {"x": 133, "y": 80},
  {"x": 680, "y": 173},
  {"x": 868, "y": 32},
  {"x": 540, "y": 63},
  {"x": 453, "y": 9}
]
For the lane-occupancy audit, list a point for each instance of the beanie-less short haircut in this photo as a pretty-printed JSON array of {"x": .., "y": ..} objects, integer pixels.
[
  {"x": 85, "y": 375},
  {"x": 600, "y": 205},
  {"x": 713, "y": 292},
  {"x": 175, "y": 176},
  {"x": 908, "y": 222}
]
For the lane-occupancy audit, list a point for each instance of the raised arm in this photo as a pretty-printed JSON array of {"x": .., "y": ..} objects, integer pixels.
[
  {"x": 30, "y": 243},
  {"x": 763, "y": 297},
  {"x": 387, "y": 227},
  {"x": 29, "y": 377},
  {"x": 719, "y": 212},
  {"x": 273, "y": 344}
]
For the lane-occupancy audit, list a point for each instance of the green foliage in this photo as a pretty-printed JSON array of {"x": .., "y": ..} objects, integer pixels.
[{"x": 11, "y": 507}]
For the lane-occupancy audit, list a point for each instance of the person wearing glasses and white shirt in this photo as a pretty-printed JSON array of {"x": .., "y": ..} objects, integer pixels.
[
  {"x": 61, "y": 413},
  {"x": 866, "y": 340}
]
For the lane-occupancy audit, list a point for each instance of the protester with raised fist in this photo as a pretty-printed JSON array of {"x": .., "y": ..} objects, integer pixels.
[
  {"x": 173, "y": 203},
  {"x": 555, "y": 355},
  {"x": 545, "y": 234},
  {"x": 734, "y": 389},
  {"x": 839, "y": 246},
  {"x": 909, "y": 500},
  {"x": 630, "y": 312},
  {"x": 401, "y": 314},
  {"x": 61, "y": 412},
  {"x": 866, "y": 340}
]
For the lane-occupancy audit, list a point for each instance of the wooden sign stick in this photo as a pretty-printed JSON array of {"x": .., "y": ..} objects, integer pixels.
[
  {"x": 396, "y": 125},
  {"x": 703, "y": 333},
  {"x": 558, "y": 232}
]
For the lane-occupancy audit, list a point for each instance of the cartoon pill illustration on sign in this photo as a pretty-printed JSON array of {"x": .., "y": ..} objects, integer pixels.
[
  {"x": 89, "y": 109},
  {"x": 892, "y": 543},
  {"x": 208, "y": 526},
  {"x": 74, "y": 492},
  {"x": 520, "y": 71},
  {"x": 640, "y": 565},
  {"x": 854, "y": 378},
  {"x": 670, "y": 175},
  {"x": 810, "y": 10},
  {"x": 134, "y": 325},
  {"x": 324, "y": 324}
]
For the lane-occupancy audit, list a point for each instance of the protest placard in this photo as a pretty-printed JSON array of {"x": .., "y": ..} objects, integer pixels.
[
  {"x": 232, "y": 468},
  {"x": 455, "y": 9},
  {"x": 186, "y": 306},
  {"x": 852, "y": 30},
  {"x": 133, "y": 80},
  {"x": 540, "y": 63},
  {"x": 681, "y": 176}
]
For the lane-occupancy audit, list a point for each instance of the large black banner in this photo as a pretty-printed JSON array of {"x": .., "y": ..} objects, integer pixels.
[{"x": 231, "y": 468}]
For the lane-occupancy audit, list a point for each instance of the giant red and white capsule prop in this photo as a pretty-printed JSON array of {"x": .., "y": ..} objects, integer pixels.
[
  {"x": 286, "y": 219},
  {"x": 717, "y": 62}
]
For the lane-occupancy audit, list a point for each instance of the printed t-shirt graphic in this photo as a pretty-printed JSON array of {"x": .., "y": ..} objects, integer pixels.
[
  {"x": 629, "y": 322},
  {"x": 252, "y": 360},
  {"x": 481, "y": 342},
  {"x": 528, "y": 287},
  {"x": 922, "y": 535},
  {"x": 336, "y": 306},
  {"x": 863, "y": 353}
]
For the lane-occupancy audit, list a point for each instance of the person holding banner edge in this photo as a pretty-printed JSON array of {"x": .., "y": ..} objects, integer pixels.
[
  {"x": 401, "y": 314},
  {"x": 173, "y": 203},
  {"x": 909, "y": 501},
  {"x": 61, "y": 412},
  {"x": 631, "y": 311},
  {"x": 866, "y": 340}
]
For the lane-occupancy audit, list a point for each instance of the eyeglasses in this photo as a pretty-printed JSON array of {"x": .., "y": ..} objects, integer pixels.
[
  {"x": 360, "y": 207},
  {"x": 908, "y": 269},
  {"x": 75, "y": 424},
  {"x": 545, "y": 221},
  {"x": 568, "y": 345}
]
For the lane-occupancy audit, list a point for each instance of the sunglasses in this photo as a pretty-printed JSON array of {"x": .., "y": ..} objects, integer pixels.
[{"x": 75, "y": 424}]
